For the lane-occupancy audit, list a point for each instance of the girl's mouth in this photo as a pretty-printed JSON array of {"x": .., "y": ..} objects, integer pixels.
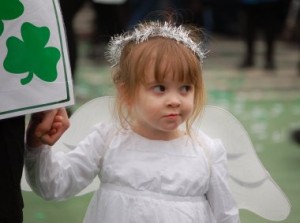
[{"x": 172, "y": 116}]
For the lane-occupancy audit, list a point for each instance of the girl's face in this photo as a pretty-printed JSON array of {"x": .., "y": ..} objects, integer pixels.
[{"x": 160, "y": 107}]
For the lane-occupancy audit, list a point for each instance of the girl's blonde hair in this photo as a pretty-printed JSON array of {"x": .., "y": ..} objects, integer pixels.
[{"x": 166, "y": 55}]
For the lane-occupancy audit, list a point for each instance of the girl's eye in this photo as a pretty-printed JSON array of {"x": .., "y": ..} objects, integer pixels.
[
  {"x": 159, "y": 88},
  {"x": 186, "y": 88}
]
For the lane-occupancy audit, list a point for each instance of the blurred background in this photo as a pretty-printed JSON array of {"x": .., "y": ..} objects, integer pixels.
[{"x": 252, "y": 70}]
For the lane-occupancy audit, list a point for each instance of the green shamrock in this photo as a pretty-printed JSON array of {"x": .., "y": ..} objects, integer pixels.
[
  {"x": 31, "y": 55},
  {"x": 9, "y": 9}
]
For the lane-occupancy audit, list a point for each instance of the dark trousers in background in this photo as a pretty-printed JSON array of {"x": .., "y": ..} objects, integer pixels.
[
  {"x": 261, "y": 18},
  {"x": 69, "y": 9},
  {"x": 12, "y": 132}
]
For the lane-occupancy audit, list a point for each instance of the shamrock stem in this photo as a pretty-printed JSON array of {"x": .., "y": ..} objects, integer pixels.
[{"x": 27, "y": 79}]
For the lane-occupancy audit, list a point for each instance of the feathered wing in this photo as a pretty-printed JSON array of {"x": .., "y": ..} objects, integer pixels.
[{"x": 251, "y": 184}]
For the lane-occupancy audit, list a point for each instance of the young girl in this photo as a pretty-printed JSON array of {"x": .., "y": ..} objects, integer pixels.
[{"x": 152, "y": 168}]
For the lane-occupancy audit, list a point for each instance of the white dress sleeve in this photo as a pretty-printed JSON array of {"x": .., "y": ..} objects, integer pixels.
[
  {"x": 219, "y": 194},
  {"x": 58, "y": 175}
]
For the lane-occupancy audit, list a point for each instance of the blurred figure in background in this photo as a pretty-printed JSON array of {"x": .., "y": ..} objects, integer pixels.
[
  {"x": 292, "y": 31},
  {"x": 292, "y": 34},
  {"x": 12, "y": 132},
  {"x": 139, "y": 9},
  {"x": 264, "y": 16},
  {"x": 225, "y": 16},
  {"x": 111, "y": 18},
  {"x": 69, "y": 9},
  {"x": 296, "y": 136}
]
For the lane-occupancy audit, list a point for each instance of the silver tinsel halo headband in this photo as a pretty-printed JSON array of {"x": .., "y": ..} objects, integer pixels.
[{"x": 152, "y": 29}]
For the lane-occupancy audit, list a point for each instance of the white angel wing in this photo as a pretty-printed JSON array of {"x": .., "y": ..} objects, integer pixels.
[{"x": 251, "y": 184}]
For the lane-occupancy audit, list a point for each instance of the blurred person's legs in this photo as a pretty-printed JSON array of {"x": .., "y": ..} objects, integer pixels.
[
  {"x": 12, "y": 132},
  {"x": 296, "y": 136},
  {"x": 250, "y": 20},
  {"x": 69, "y": 10},
  {"x": 270, "y": 26},
  {"x": 291, "y": 27},
  {"x": 298, "y": 65},
  {"x": 260, "y": 18},
  {"x": 298, "y": 39}
]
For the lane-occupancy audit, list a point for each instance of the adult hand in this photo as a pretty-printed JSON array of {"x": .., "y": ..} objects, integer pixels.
[{"x": 47, "y": 127}]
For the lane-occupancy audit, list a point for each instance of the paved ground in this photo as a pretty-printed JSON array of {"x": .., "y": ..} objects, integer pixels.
[{"x": 267, "y": 103}]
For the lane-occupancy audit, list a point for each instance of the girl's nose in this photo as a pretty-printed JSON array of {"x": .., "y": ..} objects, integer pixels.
[{"x": 174, "y": 100}]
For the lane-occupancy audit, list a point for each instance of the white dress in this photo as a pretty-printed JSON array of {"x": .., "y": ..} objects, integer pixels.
[{"x": 142, "y": 180}]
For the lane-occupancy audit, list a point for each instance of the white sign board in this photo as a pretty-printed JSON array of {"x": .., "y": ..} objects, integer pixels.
[{"x": 35, "y": 72}]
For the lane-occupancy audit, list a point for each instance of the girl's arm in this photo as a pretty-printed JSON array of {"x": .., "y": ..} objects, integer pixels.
[
  {"x": 57, "y": 175},
  {"x": 219, "y": 194}
]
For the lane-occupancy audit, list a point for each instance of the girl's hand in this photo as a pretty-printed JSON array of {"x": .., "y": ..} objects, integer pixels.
[{"x": 46, "y": 127}]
